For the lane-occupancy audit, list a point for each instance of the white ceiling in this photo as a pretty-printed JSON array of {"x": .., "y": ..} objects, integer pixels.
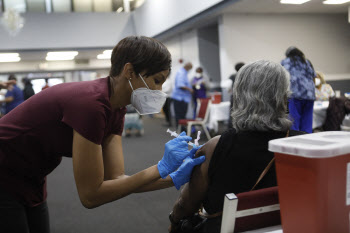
[
  {"x": 242, "y": 6},
  {"x": 274, "y": 7}
]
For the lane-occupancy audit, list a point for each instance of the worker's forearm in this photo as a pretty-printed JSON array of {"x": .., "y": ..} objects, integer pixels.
[
  {"x": 112, "y": 190},
  {"x": 156, "y": 185}
]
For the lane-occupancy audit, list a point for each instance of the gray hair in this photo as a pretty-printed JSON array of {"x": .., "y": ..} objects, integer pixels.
[{"x": 260, "y": 95}]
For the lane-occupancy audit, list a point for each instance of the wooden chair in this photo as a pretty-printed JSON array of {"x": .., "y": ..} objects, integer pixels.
[
  {"x": 251, "y": 210},
  {"x": 201, "y": 119}
]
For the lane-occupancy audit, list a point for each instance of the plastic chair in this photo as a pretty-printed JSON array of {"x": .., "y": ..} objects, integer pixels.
[
  {"x": 201, "y": 119},
  {"x": 251, "y": 210}
]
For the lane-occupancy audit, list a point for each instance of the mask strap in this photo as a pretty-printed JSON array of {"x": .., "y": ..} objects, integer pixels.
[
  {"x": 143, "y": 81},
  {"x": 131, "y": 85}
]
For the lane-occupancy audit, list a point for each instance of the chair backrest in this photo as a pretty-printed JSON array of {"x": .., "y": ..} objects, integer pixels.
[
  {"x": 251, "y": 210},
  {"x": 203, "y": 112}
]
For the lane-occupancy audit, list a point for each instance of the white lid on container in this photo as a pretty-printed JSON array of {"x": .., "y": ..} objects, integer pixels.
[{"x": 316, "y": 145}]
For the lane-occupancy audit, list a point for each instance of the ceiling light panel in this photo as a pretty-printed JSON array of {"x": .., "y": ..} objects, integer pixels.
[
  {"x": 335, "y": 2},
  {"x": 294, "y": 1},
  {"x": 36, "y": 6},
  {"x": 105, "y": 55},
  {"x": 82, "y": 5},
  {"x": 102, "y": 5},
  {"x": 19, "y": 5},
  {"x": 9, "y": 57},
  {"x": 61, "y": 5},
  {"x": 61, "y": 56}
]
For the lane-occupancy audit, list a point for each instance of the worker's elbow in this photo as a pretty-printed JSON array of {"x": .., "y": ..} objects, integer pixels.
[
  {"x": 89, "y": 201},
  {"x": 88, "y": 204}
]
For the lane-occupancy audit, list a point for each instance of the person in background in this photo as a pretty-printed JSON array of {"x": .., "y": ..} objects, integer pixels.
[
  {"x": 46, "y": 84},
  {"x": 167, "y": 88},
  {"x": 6, "y": 84},
  {"x": 182, "y": 93},
  {"x": 238, "y": 66},
  {"x": 133, "y": 121},
  {"x": 323, "y": 90},
  {"x": 13, "y": 96},
  {"x": 199, "y": 88},
  {"x": 28, "y": 90},
  {"x": 301, "y": 103},
  {"x": 235, "y": 160}
]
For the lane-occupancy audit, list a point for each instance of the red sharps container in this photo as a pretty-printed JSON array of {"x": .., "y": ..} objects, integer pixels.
[{"x": 313, "y": 176}]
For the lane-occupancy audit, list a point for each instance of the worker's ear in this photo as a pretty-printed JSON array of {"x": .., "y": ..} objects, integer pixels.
[{"x": 128, "y": 71}]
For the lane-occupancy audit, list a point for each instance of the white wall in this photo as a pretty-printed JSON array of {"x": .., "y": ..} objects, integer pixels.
[
  {"x": 184, "y": 46},
  {"x": 325, "y": 40},
  {"x": 68, "y": 30},
  {"x": 156, "y": 16}
]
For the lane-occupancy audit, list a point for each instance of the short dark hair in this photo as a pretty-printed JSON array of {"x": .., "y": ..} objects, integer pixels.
[
  {"x": 144, "y": 53},
  {"x": 199, "y": 69},
  {"x": 238, "y": 66},
  {"x": 12, "y": 77}
]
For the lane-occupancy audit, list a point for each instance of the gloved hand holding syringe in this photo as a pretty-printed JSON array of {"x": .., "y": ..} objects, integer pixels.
[
  {"x": 183, "y": 173},
  {"x": 174, "y": 134}
]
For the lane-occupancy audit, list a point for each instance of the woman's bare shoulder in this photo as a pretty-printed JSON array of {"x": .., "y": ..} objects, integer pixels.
[{"x": 208, "y": 148}]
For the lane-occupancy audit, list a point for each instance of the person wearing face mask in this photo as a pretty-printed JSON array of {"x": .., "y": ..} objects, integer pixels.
[
  {"x": 84, "y": 120},
  {"x": 323, "y": 90},
  {"x": 199, "y": 88}
]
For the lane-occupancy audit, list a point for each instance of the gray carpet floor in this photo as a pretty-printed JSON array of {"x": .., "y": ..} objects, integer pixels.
[{"x": 145, "y": 212}]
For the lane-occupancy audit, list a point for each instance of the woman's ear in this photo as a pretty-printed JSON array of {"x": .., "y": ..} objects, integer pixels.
[{"x": 128, "y": 71}]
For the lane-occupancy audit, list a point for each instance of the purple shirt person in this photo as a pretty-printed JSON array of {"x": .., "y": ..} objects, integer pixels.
[{"x": 199, "y": 88}]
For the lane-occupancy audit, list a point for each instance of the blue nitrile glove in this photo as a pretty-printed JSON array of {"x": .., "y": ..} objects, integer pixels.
[
  {"x": 183, "y": 174},
  {"x": 176, "y": 151}
]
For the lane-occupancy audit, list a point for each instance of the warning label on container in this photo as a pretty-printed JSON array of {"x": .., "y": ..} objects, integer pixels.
[{"x": 348, "y": 184}]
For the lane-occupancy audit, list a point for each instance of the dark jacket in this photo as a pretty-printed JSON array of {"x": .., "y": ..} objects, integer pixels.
[
  {"x": 28, "y": 91},
  {"x": 336, "y": 111}
]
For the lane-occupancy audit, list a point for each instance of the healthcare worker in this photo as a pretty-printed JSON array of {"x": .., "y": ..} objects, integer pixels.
[{"x": 84, "y": 120}]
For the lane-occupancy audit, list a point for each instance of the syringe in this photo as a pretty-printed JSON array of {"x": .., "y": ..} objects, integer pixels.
[{"x": 174, "y": 134}]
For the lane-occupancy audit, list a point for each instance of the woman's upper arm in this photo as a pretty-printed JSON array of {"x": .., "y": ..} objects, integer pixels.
[
  {"x": 113, "y": 158},
  {"x": 194, "y": 192},
  {"x": 199, "y": 180},
  {"x": 87, "y": 166}
]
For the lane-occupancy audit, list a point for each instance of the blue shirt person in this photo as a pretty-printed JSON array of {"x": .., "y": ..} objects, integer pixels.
[
  {"x": 302, "y": 86},
  {"x": 14, "y": 95},
  {"x": 182, "y": 93}
]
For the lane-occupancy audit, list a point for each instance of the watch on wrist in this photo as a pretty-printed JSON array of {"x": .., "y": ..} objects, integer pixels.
[{"x": 172, "y": 220}]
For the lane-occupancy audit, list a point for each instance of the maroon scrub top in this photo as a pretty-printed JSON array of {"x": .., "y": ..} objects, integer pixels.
[{"x": 35, "y": 135}]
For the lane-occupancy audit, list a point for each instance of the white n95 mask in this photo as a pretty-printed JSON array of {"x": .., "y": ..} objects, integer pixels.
[
  {"x": 317, "y": 82},
  {"x": 147, "y": 101}
]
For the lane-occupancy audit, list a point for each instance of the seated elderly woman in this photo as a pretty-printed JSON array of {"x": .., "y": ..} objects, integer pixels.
[{"x": 235, "y": 160}]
